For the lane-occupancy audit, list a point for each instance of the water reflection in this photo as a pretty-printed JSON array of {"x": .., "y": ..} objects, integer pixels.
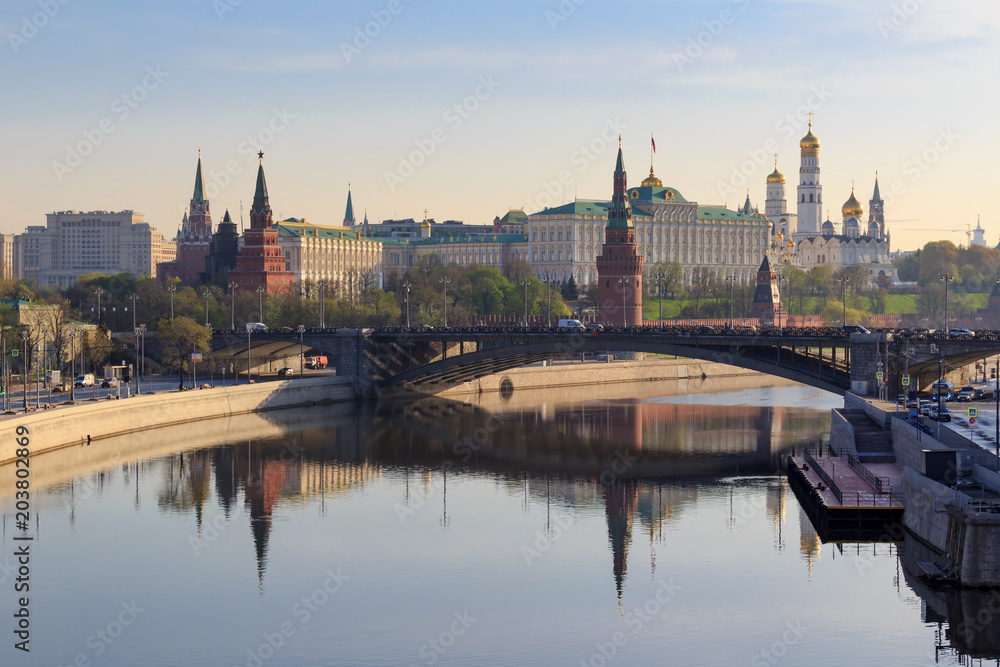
[{"x": 649, "y": 474}]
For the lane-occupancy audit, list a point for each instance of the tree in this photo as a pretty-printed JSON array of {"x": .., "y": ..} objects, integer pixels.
[
  {"x": 517, "y": 271},
  {"x": 797, "y": 282},
  {"x": 180, "y": 339},
  {"x": 569, "y": 289},
  {"x": 592, "y": 297}
]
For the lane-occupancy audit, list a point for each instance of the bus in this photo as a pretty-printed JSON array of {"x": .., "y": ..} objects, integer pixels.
[{"x": 943, "y": 388}]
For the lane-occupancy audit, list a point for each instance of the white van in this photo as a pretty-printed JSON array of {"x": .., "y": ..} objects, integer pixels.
[
  {"x": 256, "y": 327},
  {"x": 85, "y": 380},
  {"x": 571, "y": 325}
]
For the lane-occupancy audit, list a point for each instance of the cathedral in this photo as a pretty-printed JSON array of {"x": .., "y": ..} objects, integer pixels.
[{"x": 858, "y": 243}]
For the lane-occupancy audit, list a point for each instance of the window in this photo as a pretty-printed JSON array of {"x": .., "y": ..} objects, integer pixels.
[{"x": 810, "y": 198}]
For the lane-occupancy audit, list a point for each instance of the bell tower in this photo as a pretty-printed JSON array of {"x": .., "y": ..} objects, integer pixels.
[{"x": 619, "y": 266}]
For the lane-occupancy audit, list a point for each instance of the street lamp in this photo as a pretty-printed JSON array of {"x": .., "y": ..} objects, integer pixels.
[
  {"x": 99, "y": 291},
  {"x": 548, "y": 298},
  {"x": 444, "y": 281},
  {"x": 731, "y": 278},
  {"x": 206, "y": 293},
  {"x": 41, "y": 343},
  {"x": 322, "y": 304},
  {"x": 843, "y": 295},
  {"x": 260, "y": 293},
  {"x": 138, "y": 361},
  {"x": 407, "y": 285},
  {"x": 232, "y": 306},
  {"x": 171, "y": 288},
  {"x": 248, "y": 360},
  {"x": 134, "y": 298},
  {"x": 525, "y": 283},
  {"x": 302, "y": 359},
  {"x": 624, "y": 284},
  {"x": 946, "y": 278},
  {"x": 141, "y": 366},
  {"x": 72, "y": 361},
  {"x": 781, "y": 279},
  {"x": 24, "y": 338}
]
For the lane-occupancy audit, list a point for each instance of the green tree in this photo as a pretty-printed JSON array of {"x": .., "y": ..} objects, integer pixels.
[
  {"x": 180, "y": 339},
  {"x": 569, "y": 289}
]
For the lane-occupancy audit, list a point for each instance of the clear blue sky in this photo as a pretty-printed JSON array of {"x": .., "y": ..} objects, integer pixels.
[{"x": 210, "y": 74}]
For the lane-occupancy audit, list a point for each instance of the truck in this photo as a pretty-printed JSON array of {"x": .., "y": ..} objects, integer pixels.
[
  {"x": 85, "y": 380},
  {"x": 316, "y": 362},
  {"x": 571, "y": 325},
  {"x": 256, "y": 327}
]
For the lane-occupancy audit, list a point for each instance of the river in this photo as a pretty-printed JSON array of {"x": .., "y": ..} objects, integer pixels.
[{"x": 636, "y": 525}]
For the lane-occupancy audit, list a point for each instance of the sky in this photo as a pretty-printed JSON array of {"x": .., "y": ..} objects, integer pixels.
[{"x": 467, "y": 109}]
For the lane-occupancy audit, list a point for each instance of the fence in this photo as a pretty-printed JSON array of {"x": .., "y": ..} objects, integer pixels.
[
  {"x": 827, "y": 479},
  {"x": 880, "y": 484}
]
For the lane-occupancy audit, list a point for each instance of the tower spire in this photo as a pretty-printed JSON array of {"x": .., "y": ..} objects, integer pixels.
[
  {"x": 349, "y": 213},
  {"x": 199, "y": 183}
]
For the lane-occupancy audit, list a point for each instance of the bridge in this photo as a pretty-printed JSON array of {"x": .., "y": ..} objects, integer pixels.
[{"x": 422, "y": 361}]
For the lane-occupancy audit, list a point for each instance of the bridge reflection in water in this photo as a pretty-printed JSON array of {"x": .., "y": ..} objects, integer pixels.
[{"x": 642, "y": 465}]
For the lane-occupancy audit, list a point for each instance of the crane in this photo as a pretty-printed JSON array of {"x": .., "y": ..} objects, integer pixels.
[{"x": 967, "y": 230}]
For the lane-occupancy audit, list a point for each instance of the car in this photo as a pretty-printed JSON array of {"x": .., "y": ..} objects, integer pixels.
[
  {"x": 855, "y": 328},
  {"x": 109, "y": 383},
  {"x": 62, "y": 387},
  {"x": 925, "y": 407},
  {"x": 85, "y": 380},
  {"x": 570, "y": 325},
  {"x": 285, "y": 371},
  {"x": 286, "y": 330},
  {"x": 966, "y": 394},
  {"x": 901, "y": 398},
  {"x": 595, "y": 326},
  {"x": 960, "y": 332},
  {"x": 942, "y": 415}
]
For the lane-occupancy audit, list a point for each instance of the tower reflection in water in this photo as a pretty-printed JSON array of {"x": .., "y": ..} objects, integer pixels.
[{"x": 638, "y": 464}]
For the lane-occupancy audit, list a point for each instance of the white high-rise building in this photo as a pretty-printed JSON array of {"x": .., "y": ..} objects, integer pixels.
[{"x": 809, "y": 191}]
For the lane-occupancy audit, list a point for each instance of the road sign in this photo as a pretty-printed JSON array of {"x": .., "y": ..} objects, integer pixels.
[
  {"x": 906, "y": 380},
  {"x": 972, "y": 420},
  {"x": 879, "y": 375},
  {"x": 973, "y": 413},
  {"x": 196, "y": 356},
  {"x": 14, "y": 352}
]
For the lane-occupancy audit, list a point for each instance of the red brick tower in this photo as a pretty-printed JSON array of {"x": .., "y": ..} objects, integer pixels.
[
  {"x": 766, "y": 304},
  {"x": 619, "y": 266},
  {"x": 260, "y": 261}
]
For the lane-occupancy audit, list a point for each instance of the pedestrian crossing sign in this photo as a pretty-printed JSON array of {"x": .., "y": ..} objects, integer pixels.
[
  {"x": 879, "y": 375},
  {"x": 906, "y": 380},
  {"x": 973, "y": 412}
]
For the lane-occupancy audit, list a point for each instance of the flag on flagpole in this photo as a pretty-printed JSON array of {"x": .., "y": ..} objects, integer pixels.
[{"x": 654, "y": 142}]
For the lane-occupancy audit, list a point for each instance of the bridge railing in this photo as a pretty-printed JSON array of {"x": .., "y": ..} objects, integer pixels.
[{"x": 827, "y": 479}]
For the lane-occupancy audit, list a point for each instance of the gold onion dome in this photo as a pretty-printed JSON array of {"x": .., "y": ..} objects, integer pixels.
[
  {"x": 652, "y": 181},
  {"x": 776, "y": 176},
  {"x": 809, "y": 142},
  {"x": 852, "y": 207}
]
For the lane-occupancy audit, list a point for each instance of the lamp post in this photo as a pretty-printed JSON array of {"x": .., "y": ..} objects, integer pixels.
[
  {"x": 45, "y": 333},
  {"x": 624, "y": 284},
  {"x": 98, "y": 291},
  {"x": 260, "y": 293},
  {"x": 171, "y": 289},
  {"x": 444, "y": 281},
  {"x": 659, "y": 292},
  {"x": 134, "y": 298},
  {"x": 206, "y": 293},
  {"x": 548, "y": 298},
  {"x": 248, "y": 359},
  {"x": 732, "y": 280},
  {"x": 940, "y": 395},
  {"x": 322, "y": 304},
  {"x": 302, "y": 359},
  {"x": 525, "y": 283},
  {"x": 138, "y": 361},
  {"x": 406, "y": 286},
  {"x": 142, "y": 355},
  {"x": 946, "y": 278},
  {"x": 781, "y": 279},
  {"x": 232, "y": 306},
  {"x": 996, "y": 420},
  {"x": 843, "y": 295},
  {"x": 24, "y": 339},
  {"x": 72, "y": 361}
]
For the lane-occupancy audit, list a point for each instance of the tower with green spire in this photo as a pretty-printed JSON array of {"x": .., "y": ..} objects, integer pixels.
[
  {"x": 619, "y": 266},
  {"x": 260, "y": 263},
  {"x": 195, "y": 236},
  {"x": 349, "y": 219}
]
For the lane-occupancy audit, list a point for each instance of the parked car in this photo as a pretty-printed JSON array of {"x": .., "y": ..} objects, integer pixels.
[
  {"x": 966, "y": 394},
  {"x": 285, "y": 371}
]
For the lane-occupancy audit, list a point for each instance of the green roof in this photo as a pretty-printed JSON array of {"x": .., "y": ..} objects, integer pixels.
[
  {"x": 723, "y": 213},
  {"x": 473, "y": 238},
  {"x": 199, "y": 184},
  {"x": 655, "y": 193},
  {"x": 514, "y": 217},
  {"x": 585, "y": 207},
  {"x": 349, "y": 213},
  {"x": 295, "y": 228}
]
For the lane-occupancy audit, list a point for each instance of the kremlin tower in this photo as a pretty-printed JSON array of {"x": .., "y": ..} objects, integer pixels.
[
  {"x": 619, "y": 266},
  {"x": 193, "y": 239},
  {"x": 260, "y": 262},
  {"x": 810, "y": 192}
]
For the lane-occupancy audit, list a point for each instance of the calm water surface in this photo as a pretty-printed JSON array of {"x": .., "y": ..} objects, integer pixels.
[{"x": 614, "y": 526}]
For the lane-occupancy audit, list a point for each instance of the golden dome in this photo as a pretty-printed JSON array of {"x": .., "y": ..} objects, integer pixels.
[
  {"x": 852, "y": 207},
  {"x": 809, "y": 142},
  {"x": 776, "y": 177},
  {"x": 652, "y": 180}
]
